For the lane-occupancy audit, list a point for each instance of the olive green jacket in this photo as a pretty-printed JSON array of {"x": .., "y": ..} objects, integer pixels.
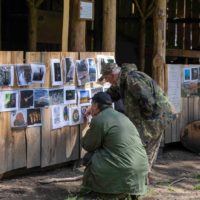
[{"x": 119, "y": 163}]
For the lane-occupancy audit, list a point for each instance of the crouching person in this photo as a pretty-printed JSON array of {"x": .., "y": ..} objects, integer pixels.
[{"x": 119, "y": 164}]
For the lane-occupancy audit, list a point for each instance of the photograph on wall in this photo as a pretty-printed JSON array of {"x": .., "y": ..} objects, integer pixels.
[
  {"x": 82, "y": 71},
  {"x": 70, "y": 96},
  {"x": 56, "y": 116},
  {"x": 82, "y": 112},
  {"x": 103, "y": 59},
  {"x": 56, "y": 72},
  {"x": 34, "y": 117},
  {"x": 24, "y": 74},
  {"x": 38, "y": 73},
  {"x": 9, "y": 100},
  {"x": 96, "y": 90},
  {"x": 189, "y": 86},
  {"x": 26, "y": 98},
  {"x": 19, "y": 118},
  {"x": 194, "y": 73},
  {"x": 41, "y": 98},
  {"x": 75, "y": 115},
  {"x": 92, "y": 69},
  {"x": 56, "y": 96},
  {"x": 6, "y": 75},
  {"x": 83, "y": 96},
  {"x": 65, "y": 115},
  {"x": 69, "y": 70}
]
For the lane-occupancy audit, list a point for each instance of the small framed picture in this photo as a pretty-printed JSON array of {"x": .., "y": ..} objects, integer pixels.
[
  {"x": 69, "y": 70},
  {"x": 41, "y": 98},
  {"x": 84, "y": 96},
  {"x": 187, "y": 74},
  {"x": 19, "y": 118},
  {"x": 86, "y": 11},
  {"x": 56, "y": 72},
  {"x": 75, "y": 115},
  {"x": 34, "y": 117},
  {"x": 39, "y": 73},
  {"x": 56, "y": 96},
  {"x": 56, "y": 116},
  {"x": 6, "y": 75},
  {"x": 65, "y": 115},
  {"x": 24, "y": 74},
  {"x": 92, "y": 69},
  {"x": 26, "y": 98},
  {"x": 194, "y": 73},
  {"x": 70, "y": 95}
]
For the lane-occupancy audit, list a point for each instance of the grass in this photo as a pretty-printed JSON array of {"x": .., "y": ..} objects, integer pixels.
[{"x": 197, "y": 187}]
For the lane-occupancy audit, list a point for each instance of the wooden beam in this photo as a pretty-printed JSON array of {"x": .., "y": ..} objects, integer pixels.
[
  {"x": 65, "y": 28},
  {"x": 182, "y": 53}
]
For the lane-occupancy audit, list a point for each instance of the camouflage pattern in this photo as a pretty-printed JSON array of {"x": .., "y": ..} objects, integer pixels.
[
  {"x": 145, "y": 104},
  {"x": 106, "y": 68}
]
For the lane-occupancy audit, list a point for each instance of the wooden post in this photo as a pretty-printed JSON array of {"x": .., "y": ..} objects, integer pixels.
[
  {"x": 159, "y": 20},
  {"x": 33, "y": 5},
  {"x": 77, "y": 28},
  {"x": 109, "y": 25},
  {"x": 65, "y": 29},
  {"x": 0, "y": 24}
]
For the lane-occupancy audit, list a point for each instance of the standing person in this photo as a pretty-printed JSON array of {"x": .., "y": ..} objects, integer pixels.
[
  {"x": 119, "y": 164},
  {"x": 144, "y": 101}
]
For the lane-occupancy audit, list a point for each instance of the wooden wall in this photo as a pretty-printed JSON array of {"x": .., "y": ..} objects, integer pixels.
[{"x": 38, "y": 146}]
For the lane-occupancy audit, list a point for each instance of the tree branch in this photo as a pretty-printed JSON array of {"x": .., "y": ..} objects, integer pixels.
[
  {"x": 151, "y": 6},
  {"x": 139, "y": 9},
  {"x": 150, "y": 12}
]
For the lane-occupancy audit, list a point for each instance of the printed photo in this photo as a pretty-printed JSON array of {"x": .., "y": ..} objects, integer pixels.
[
  {"x": 189, "y": 89},
  {"x": 84, "y": 96},
  {"x": 41, "y": 98},
  {"x": 6, "y": 75},
  {"x": 34, "y": 117},
  {"x": 56, "y": 72},
  {"x": 19, "y": 118},
  {"x": 195, "y": 73},
  {"x": 70, "y": 96},
  {"x": 186, "y": 74},
  {"x": 9, "y": 100},
  {"x": 96, "y": 90},
  {"x": 56, "y": 96},
  {"x": 83, "y": 110},
  {"x": 65, "y": 115},
  {"x": 39, "y": 73},
  {"x": 82, "y": 71},
  {"x": 75, "y": 116},
  {"x": 56, "y": 116},
  {"x": 92, "y": 69},
  {"x": 26, "y": 98},
  {"x": 24, "y": 74},
  {"x": 69, "y": 70}
]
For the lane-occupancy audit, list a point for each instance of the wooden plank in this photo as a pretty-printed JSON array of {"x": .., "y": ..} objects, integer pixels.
[
  {"x": 168, "y": 134},
  {"x": 33, "y": 134},
  {"x": 196, "y": 108},
  {"x": 12, "y": 142},
  {"x": 182, "y": 53},
  {"x": 190, "y": 109},
  {"x": 73, "y": 143},
  {"x": 173, "y": 131},
  {"x": 65, "y": 27}
]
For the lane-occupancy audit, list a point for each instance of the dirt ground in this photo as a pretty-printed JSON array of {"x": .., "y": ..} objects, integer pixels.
[{"x": 175, "y": 176}]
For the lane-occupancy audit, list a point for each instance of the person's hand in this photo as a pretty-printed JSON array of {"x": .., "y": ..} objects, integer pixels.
[{"x": 88, "y": 112}]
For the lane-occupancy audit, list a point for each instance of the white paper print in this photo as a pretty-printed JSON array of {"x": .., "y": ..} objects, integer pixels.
[
  {"x": 95, "y": 90},
  {"x": 6, "y": 75},
  {"x": 19, "y": 118},
  {"x": 75, "y": 115},
  {"x": 84, "y": 96},
  {"x": 70, "y": 95},
  {"x": 103, "y": 59},
  {"x": 92, "y": 69},
  {"x": 65, "y": 115},
  {"x": 56, "y": 96},
  {"x": 38, "y": 73},
  {"x": 82, "y": 71},
  {"x": 56, "y": 116},
  {"x": 69, "y": 70},
  {"x": 24, "y": 74},
  {"x": 34, "y": 117},
  {"x": 56, "y": 72},
  {"x": 9, "y": 100}
]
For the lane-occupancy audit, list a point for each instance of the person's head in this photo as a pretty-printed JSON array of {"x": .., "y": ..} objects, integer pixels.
[
  {"x": 100, "y": 101},
  {"x": 110, "y": 72}
]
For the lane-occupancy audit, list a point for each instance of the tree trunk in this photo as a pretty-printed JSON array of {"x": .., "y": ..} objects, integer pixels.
[
  {"x": 109, "y": 25},
  {"x": 32, "y": 27},
  {"x": 77, "y": 28},
  {"x": 65, "y": 28},
  {"x": 0, "y": 24},
  {"x": 159, "y": 20},
  {"x": 142, "y": 44}
]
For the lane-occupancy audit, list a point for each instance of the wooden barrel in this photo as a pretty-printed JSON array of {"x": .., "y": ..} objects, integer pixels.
[{"x": 190, "y": 136}]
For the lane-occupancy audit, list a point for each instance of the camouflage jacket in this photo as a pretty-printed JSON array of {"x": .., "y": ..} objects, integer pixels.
[{"x": 145, "y": 103}]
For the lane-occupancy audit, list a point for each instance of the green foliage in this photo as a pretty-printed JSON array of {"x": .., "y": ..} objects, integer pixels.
[{"x": 197, "y": 187}]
